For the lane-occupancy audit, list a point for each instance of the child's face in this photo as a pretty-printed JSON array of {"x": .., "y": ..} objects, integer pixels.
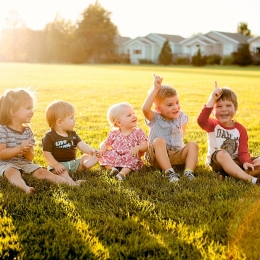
[
  {"x": 68, "y": 123},
  {"x": 169, "y": 108},
  {"x": 25, "y": 113},
  {"x": 127, "y": 118},
  {"x": 224, "y": 111}
]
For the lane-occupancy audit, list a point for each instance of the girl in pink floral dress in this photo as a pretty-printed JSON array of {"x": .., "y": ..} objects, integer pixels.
[{"x": 125, "y": 144}]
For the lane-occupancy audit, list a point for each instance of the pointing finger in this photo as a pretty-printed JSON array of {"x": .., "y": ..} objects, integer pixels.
[{"x": 216, "y": 84}]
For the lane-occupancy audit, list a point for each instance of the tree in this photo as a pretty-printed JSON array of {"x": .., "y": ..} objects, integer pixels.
[
  {"x": 242, "y": 28},
  {"x": 14, "y": 38},
  {"x": 96, "y": 31},
  {"x": 165, "y": 56},
  {"x": 59, "y": 38},
  {"x": 198, "y": 60},
  {"x": 243, "y": 56}
]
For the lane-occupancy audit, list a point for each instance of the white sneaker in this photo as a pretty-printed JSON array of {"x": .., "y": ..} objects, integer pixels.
[
  {"x": 114, "y": 171},
  {"x": 173, "y": 176},
  {"x": 189, "y": 175}
]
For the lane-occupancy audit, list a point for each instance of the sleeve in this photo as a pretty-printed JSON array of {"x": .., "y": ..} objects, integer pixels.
[
  {"x": 243, "y": 154},
  {"x": 204, "y": 121},
  {"x": 109, "y": 139},
  {"x": 77, "y": 138},
  {"x": 3, "y": 135},
  {"x": 141, "y": 135},
  {"x": 184, "y": 119},
  {"x": 47, "y": 144},
  {"x": 31, "y": 136}
]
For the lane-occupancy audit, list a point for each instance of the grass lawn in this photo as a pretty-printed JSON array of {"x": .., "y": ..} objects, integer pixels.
[{"x": 145, "y": 217}]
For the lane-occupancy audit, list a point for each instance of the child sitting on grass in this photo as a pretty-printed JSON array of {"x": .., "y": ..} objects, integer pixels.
[
  {"x": 17, "y": 141},
  {"x": 227, "y": 139},
  {"x": 125, "y": 144},
  {"x": 167, "y": 126},
  {"x": 61, "y": 142}
]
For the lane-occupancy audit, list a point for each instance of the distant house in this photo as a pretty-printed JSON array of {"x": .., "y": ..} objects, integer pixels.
[
  {"x": 214, "y": 42},
  {"x": 149, "y": 47}
]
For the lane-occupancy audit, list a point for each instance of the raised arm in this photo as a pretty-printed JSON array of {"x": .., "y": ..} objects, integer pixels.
[{"x": 147, "y": 106}]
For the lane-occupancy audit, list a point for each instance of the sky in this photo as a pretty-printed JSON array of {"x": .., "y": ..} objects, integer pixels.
[{"x": 135, "y": 18}]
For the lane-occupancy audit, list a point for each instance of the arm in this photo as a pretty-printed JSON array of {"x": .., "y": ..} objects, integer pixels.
[
  {"x": 215, "y": 95},
  {"x": 147, "y": 111},
  {"x": 243, "y": 154},
  {"x": 85, "y": 148},
  {"x": 59, "y": 168},
  {"x": 141, "y": 148},
  {"x": 184, "y": 127},
  {"x": 103, "y": 147},
  {"x": 25, "y": 148}
]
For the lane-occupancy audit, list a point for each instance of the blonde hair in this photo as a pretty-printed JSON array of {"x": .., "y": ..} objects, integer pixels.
[
  {"x": 165, "y": 91},
  {"x": 230, "y": 95},
  {"x": 13, "y": 100},
  {"x": 114, "y": 111},
  {"x": 58, "y": 109}
]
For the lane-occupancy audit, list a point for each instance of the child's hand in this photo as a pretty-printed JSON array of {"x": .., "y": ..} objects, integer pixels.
[
  {"x": 135, "y": 151},
  {"x": 59, "y": 168},
  {"x": 157, "y": 82},
  {"x": 102, "y": 150},
  {"x": 217, "y": 92},
  {"x": 25, "y": 147},
  {"x": 96, "y": 152},
  {"x": 246, "y": 166}
]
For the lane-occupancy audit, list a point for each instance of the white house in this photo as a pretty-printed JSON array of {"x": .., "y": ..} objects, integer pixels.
[{"x": 214, "y": 42}]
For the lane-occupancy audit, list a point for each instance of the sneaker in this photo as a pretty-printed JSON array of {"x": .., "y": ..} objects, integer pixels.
[
  {"x": 257, "y": 182},
  {"x": 173, "y": 176},
  {"x": 189, "y": 175},
  {"x": 120, "y": 176},
  {"x": 114, "y": 171}
]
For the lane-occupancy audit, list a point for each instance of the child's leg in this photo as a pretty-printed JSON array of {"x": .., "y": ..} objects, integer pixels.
[
  {"x": 161, "y": 155},
  {"x": 230, "y": 167},
  {"x": 122, "y": 174},
  {"x": 87, "y": 161},
  {"x": 14, "y": 176},
  {"x": 41, "y": 174},
  {"x": 190, "y": 155},
  {"x": 64, "y": 175}
]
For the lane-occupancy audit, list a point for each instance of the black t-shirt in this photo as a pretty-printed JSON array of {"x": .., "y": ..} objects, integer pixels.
[{"x": 62, "y": 148}]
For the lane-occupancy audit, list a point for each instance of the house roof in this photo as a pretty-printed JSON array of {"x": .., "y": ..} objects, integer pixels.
[
  {"x": 240, "y": 38},
  {"x": 119, "y": 40},
  {"x": 171, "y": 38}
]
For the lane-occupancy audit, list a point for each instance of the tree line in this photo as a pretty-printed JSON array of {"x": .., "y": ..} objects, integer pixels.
[{"x": 88, "y": 40}]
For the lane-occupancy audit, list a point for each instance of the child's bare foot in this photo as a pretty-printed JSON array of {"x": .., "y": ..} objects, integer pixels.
[
  {"x": 29, "y": 190},
  {"x": 91, "y": 161},
  {"x": 79, "y": 182}
]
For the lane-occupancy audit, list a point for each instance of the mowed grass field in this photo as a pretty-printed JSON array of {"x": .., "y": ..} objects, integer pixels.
[{"x": 145, "y": 217}]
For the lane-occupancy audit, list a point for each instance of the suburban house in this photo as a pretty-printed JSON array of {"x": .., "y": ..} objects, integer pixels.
[{"x": 148, "y": 48}]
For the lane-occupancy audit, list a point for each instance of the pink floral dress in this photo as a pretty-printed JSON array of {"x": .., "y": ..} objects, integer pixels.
[{"x": 119, "y": 154}]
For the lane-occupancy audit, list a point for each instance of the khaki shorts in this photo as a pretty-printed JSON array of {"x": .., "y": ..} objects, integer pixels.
[
  {"x": 71, "y": 166},
  {"x": 175, "y": 156},
  {"x": 23, "y": 167}
]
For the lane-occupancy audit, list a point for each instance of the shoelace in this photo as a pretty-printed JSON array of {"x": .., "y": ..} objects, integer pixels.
[{"x": 189, "y": 175}]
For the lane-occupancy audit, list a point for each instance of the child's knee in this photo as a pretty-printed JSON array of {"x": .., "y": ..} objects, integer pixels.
[{"x": 159, "y": 142}]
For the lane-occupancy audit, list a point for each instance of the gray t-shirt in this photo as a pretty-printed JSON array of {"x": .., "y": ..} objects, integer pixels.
[
  {"x": 170, "y": 131},
  {"x": 12, "y": 138}
]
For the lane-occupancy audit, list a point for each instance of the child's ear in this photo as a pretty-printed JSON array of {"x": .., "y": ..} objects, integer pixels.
[
  {"x": 157, "y": 109},
  {"x": 58, "y": 122}
]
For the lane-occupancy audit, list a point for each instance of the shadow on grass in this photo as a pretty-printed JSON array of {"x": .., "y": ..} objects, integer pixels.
[{"x": 144, "y": 217}]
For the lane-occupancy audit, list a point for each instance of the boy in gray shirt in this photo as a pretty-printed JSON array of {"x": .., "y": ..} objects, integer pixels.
[{"x": 167, "y": 126}]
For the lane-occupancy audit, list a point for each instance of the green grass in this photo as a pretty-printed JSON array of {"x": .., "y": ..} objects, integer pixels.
[{"x": 145, "y": 217}]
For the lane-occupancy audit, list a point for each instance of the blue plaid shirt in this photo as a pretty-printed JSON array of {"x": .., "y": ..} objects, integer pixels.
[{"x": 170, "y": 131}]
